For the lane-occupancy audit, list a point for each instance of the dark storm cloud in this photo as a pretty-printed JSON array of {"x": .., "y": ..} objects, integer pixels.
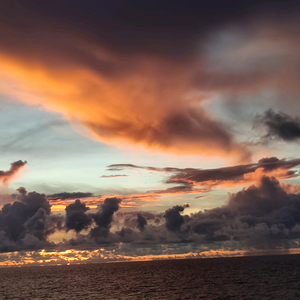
[
  {"x": 141, "y": 222},
  {"x": 66, "y": 195},
  {"x": 260, "y": 216},
  {"x": 280, "y": 126},
  {"x": 174, "y": 220},
  {"x": 135, "y": 219},
  {"x": 76, "y": 217},
  {"x": 104, "y": 216},
  {"x": 6, "y": 176},
  {"x": 26, "y": 223},
  {"x": 253, "y": 214},
  {"x": 34, "y": 200},
  {"x": 263, "y": 215}
]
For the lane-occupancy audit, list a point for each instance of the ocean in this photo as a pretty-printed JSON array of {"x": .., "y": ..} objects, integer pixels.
[{"x": 264, "y": 277}]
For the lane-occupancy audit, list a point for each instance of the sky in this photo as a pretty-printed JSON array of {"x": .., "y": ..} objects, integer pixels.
[{"x": 142, "y": 130}]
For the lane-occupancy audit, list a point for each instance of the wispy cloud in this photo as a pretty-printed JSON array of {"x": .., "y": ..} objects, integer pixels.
[
  {"x": 66, "y": 195},
  {"x": 223, "y": 177},
  {"x": 192, "y": 181},
  {"x": 113, "y": 176}
]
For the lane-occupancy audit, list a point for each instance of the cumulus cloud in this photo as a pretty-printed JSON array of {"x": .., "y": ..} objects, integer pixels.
[
  {"x": 259, "y": 214},
  {"x": 280, "y": 126},
  {"x": 76, "y": 217},
  {"x": 174, "y": 220},
  {"x": 7, "y": 176},
  {"x": 264, "y": 215},
  {"x": 27, "y": 222},
  {"x": 104, "y": 216},
  {"x": 141, "y": 222}
]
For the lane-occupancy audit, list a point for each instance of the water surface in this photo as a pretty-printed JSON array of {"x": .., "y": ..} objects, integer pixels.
[{"x": 266, "y": 277}]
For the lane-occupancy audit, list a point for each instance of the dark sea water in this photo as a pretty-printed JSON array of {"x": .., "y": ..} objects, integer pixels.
[{"x": 267, "y": 277}]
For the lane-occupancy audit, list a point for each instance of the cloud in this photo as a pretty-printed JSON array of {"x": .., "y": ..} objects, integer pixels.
[
  {"x": 140, "y": 74},
  {"x": 70, "y": 256},
  {"x": 237, "y": 175},
  {"x": 16, "y": 167},
  {"x": 182, "y": 128},
  {"x": 104, "y": 216},
  {"x": 113, "y": 176},
  {"x": 188, "y": 178},
  {"x": 66, "y": 195},
  {"x": 120, "y": 167},
  {"x": 141, "y": 222},
  {"x": 130, "y": 199},
  {"x": 174, "y": 220},
  {"x": 134, "y": 200},
  {"x": 202, "y": 197},
  {"x": 76, "y": 217},
  {"x": 7, "y": 198},
  {"x": 259, "y": 215},
  {"x": 27, "y": 222},
  {"x": 17, "y": 139},
  {"x": 190, "y": 181},
  {"x": 279, "y": 126},
  {"x": 262, "y": 216}
]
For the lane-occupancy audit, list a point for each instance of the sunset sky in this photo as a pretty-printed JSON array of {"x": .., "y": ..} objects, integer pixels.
[{"x": 136, "y": 129}]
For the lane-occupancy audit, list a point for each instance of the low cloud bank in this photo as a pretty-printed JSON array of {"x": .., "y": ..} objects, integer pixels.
[
  {"x": 262, "y": 216},
  {"x": 27, "y": 222}
]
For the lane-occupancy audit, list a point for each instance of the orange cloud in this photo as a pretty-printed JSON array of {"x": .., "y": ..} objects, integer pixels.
[
  {"x": 196, "y": 181},
  {"x": 128, "y": 201},
  {"x": 7, "y": 176},
  {"x": 148, "y": 105},
  {"x": 144, "y": 81},
  {"x": 73, "y": 256},
  {"x": 290, "y": 188},
  {"x": 246, "y": 179}
]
